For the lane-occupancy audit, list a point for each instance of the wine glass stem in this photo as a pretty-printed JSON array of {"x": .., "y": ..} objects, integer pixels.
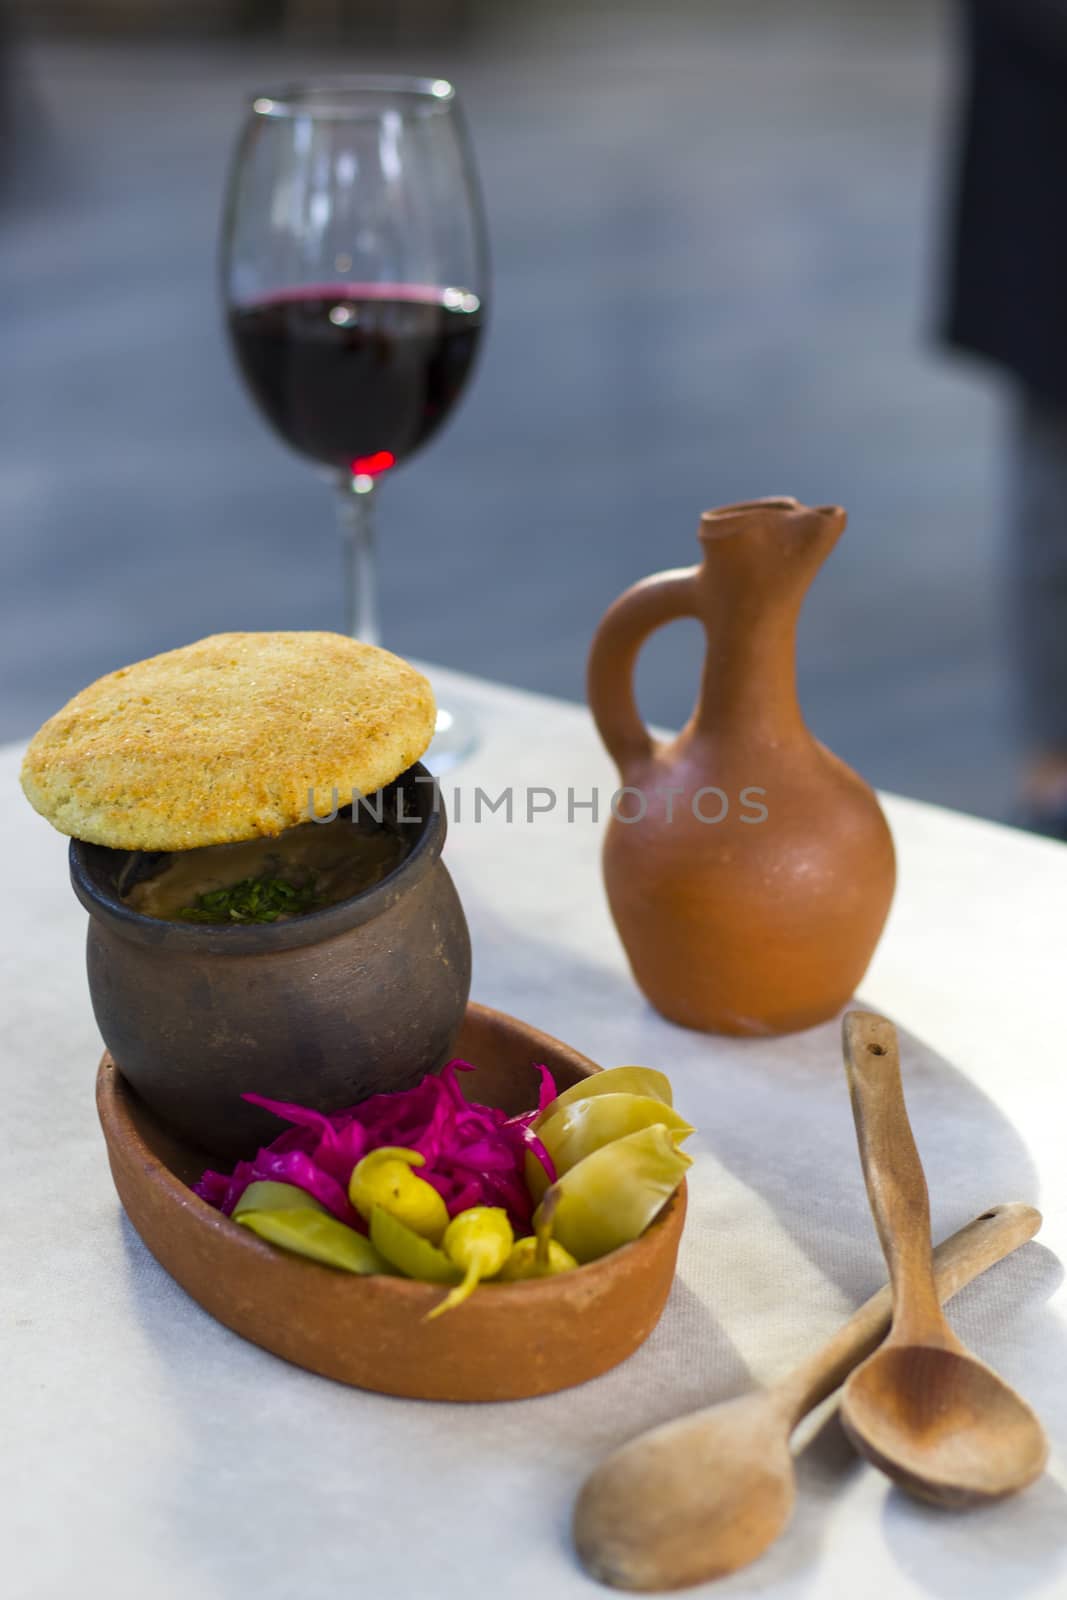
[{"x": 356, "y": 514}]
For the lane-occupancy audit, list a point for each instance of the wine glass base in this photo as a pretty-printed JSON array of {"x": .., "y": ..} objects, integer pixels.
[{"x": 456, "y": 737}]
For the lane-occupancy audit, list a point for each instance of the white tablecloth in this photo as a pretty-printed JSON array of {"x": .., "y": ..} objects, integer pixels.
[{"x": 149, "y": 1454}]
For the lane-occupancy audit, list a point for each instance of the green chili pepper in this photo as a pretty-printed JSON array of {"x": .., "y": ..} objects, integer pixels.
[
  {"x": 319, "y": 1237},
  {"x": 612, "y": 1195},
  {"x": 576, "y": 1130},
  {"x": 616, "y": 1080},
  {"x": 384, "y": 1178},
  {"x": 265, "y": 1195},
  {"x": 408, "y": 1251},
  {"x": 478, "y": 1240}
]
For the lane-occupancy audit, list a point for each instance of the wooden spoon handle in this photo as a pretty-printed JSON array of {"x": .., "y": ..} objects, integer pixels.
[
  {"x": 896, "y": 1184},
  {"x": 957, "y": 1261}
]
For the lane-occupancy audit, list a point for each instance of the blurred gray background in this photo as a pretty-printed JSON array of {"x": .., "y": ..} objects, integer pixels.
[{"x": 715, "y": 232}]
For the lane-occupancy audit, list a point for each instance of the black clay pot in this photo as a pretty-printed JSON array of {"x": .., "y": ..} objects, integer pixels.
[{"x": 359, "y": 998}]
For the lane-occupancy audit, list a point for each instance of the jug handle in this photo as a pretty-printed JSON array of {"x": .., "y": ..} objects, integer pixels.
[{"x": 616, "y": 645}]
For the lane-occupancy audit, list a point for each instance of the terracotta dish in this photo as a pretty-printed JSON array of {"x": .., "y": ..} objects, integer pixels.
[{"x": 508, "y": 1342}]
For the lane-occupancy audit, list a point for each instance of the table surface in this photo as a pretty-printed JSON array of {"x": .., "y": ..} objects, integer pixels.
[{"x": 146, "y": 1451}]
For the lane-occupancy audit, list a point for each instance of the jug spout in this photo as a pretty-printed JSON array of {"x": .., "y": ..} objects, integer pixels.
[{"x": 777, "y": 524}]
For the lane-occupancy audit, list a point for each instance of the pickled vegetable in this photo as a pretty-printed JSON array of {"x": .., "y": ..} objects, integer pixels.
[
  {"x": 384, "y": 1179},
  {"x": 474, "y": 1153},
  {"x": 528, "y": 1260},
  {"x": 318, "y": 1236},
  {"x": 267, "y": 1196},
  {"x": 612, "y": 1195},
  {"x": 576, "y": 1130},
  {"x": 614, "y": 1080},
  {"x": 443, "y": 1185},
  {"x": 479, "y": 1241},
  {"x": 408, "y": 1251}
]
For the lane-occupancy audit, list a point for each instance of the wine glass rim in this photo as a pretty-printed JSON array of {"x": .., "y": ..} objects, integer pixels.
[{"x": 341, "y": 96}]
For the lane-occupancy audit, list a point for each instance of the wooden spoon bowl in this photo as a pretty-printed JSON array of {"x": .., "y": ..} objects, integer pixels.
[
  {"x": 944, "y": 1426},
  {"x": 690, "y": 1501}
]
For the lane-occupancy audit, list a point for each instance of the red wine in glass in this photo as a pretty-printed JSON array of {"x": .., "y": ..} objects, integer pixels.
[
  {"x": 354, "y": 271},
  {"x": 357, "y": 375}
]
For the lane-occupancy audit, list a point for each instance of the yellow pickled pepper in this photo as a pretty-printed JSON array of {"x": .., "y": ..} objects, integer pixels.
[
  {"x": 535, "y": 1258},
  {"x": 384, "y": 1178},
  {"x": 479, "y": 1241}
]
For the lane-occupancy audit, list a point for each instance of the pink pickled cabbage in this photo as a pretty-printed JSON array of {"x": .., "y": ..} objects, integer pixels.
[{"x": 475, "y": 1154}]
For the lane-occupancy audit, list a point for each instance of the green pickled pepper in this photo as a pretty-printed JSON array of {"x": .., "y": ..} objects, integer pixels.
[
  {"x": 318, "y": 1236},
  {"x": 613, "y": 1080},
  {"x": 611, "y": 1196},
  {"x": 266, "y": 1195},
  {"x": 408, "y": 1251},
  {"x": 577, "y": 1129}
]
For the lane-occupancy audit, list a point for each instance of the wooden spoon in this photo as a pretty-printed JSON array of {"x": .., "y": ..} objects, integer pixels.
[
  {"x": 931, "y": 1415},
  {"x": 702, "y": 1496}
]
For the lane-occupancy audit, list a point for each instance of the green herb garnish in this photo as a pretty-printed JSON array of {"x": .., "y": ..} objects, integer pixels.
[{"x": 262, "y": 899}]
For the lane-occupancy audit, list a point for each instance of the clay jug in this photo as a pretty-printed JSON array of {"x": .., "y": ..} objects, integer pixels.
[{"x": 749, "y": 871}]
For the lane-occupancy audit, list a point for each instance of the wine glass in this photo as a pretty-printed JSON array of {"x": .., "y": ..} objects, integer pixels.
[{"x": 354, "y": 268}]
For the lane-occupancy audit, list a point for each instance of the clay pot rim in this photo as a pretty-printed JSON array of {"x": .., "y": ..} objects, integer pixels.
[
  {"x": 111, "y": 1090},
  {"x": 92, "y": 869}
]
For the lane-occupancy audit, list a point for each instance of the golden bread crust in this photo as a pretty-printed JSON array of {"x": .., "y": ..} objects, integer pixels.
[{"x": 223, "y": 739}]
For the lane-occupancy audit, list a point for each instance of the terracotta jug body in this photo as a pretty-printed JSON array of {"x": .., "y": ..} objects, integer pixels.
[{"x": 749, "y": 871}]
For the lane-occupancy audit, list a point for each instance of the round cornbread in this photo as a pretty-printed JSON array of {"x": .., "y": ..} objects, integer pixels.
[{"x": 223, "y": 739}]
